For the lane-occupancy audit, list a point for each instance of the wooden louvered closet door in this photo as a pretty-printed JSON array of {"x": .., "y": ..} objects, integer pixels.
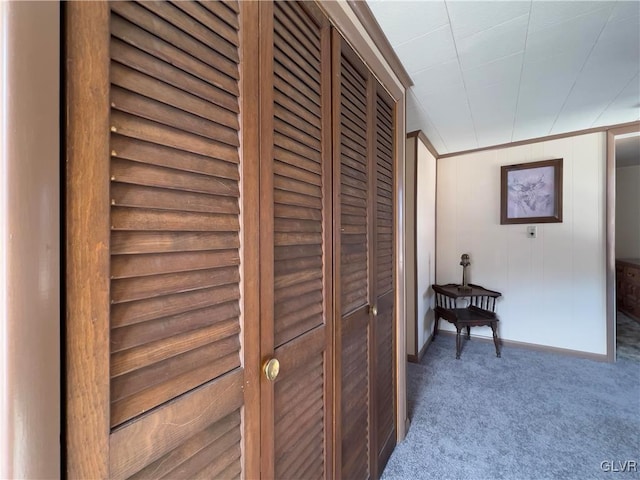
[
  {"x": 296, "y": 230},
  {"x": 384, "y": 240},
  {"x": 229, "y": 197},
  {"x": 364, "y": 275},
  {"x": 352, "y": 211},
  {"x": 157, "y": 235}
]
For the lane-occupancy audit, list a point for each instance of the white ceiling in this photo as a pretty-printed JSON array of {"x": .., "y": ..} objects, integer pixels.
[{"x": 492, "y": 72}]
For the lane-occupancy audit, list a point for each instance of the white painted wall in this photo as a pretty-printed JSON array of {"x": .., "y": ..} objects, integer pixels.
[
  {"x": 29, "y": 240},
  {"x": 410, "y": 243},
  {"x": 628, "y": 212},
  {"x": 553, "y": 286},
  {"x": 425, "y": 242}
]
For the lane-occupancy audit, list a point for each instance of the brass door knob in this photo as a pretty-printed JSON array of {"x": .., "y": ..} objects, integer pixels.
[
  {"x": 271, "y": 369},
  {"x": 374, "y": 311}
]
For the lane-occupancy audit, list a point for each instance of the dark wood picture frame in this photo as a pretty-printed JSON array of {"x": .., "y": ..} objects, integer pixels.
[{"x": 531, "y": 192}]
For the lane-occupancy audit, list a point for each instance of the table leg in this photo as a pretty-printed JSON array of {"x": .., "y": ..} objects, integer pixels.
[
  {"x": 468, "y": 333},
  {"x": 458, "y": 342},
  {"x": 436, "y": 323},
  {"x": 496, "y": 342}
]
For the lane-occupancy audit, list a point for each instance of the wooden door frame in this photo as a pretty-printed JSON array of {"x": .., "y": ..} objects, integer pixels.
[
  {"x": 610, "y": 253},
  {"x": 31, "y": 265}
]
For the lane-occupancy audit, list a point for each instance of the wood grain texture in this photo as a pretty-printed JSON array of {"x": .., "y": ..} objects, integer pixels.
[
  {"x": 169, "y": 199},
  {"x": 87, "y": 240},
  {"x": 384, "y": 159},
  {"x": 353, "y": 212},
  {"x": 154, "y": 243},
  {"x": 355, "y": 399},
  {"x": 297, "y": 53},
  {"x": 354, "y": 186},
  {"x": 87, "y": 247},
  {"x": 138, "y": 444},
  {"x": 299, "y": 408},
  {"x": 296, "y": 271},
  {"x": 384, "y": 332},
  {"x": 269, "y": 141},
  {"x": 250, "y": 186}
]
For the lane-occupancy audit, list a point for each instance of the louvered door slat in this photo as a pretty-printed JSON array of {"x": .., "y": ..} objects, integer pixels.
[
  {"x": 384, "y": 322},
  {"x": 301, "y": 108},
  {"x": 215, "y": 35},
  {"x": 153, "y": 132},
  {"x": 151, "y": 219},
  {"x": 152, "y": 47},
  {"x": 306, "y": 124},
  {"x": 140, "y": 151},
  {"x": 299, "y": 423},
  {"x": 203, "y": 82},
  {"x": 140, "y": 106},
  {"x": 295, "y": 156},
  {"x": 353, "y": 166},
  {"x": 168, "y": 199},
  {"x": 223, "y": 57},
  {"x": 303, "y": 28},
  {"x": 156, "y": 242},
  {"x": 137, "y": 334},
  {"x": 353, "y": 184},
  {"x": 299, "y": 289},
  {"x": 299, "y": 36},
  {"x": 223, "y": 22},
  {"x": 143, "y": 310},
  {"x": 169, "y": 464},
  {"x": 224, "y": 452},
  {"x": 175, "y": 239},
  {"x": 297, "y": 135},
  {"x": 225, "y": 10},
  {"x": 124, "y": 171},
  {"x": 296, "y": 64},
  {"x": 131, "y": 289},
  {"x": 140, "y": 83},
  {"x": 355, "y": 399},
  {"x": 384, "y": 193}
]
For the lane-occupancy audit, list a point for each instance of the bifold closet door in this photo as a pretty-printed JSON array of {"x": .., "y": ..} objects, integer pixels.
[
  {"x": 384, "y": 241},
  {"x": 353, "y": 272},
  {"x": 159, "y": 203},
  {"x": 364, "y": 272},
  {"x": 296, "y": 247}
]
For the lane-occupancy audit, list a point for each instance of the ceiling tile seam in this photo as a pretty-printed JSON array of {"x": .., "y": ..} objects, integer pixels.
[
  {"x": 492, "y": 27},
  {"x": 416, "y": 72},
  {"x": 586, "y": 60},
  {"x": 635, "y": 77},
  {"x": 464, "y": 83},
  {"x": 519, "y": 52},
  {"x": 569, "y": 19},
  {"x": 524, "y": 56},
  {"x": 401, "y": 44},
  {"x": 426, "y": 114}
]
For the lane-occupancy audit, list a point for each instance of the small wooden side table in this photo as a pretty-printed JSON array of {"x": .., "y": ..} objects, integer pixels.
[{"x": 480, "y": 311}]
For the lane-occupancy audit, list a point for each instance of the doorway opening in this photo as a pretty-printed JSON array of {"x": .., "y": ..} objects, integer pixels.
[{"x": 623, "y": 243}]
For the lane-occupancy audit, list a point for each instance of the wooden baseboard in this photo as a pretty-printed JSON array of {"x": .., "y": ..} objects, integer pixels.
[
  {"x": 536, "y": 347},
  {"x": 418, "y": 358}
]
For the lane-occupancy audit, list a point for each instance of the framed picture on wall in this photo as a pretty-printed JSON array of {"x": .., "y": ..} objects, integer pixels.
[{"x": 531, "y": 192}]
